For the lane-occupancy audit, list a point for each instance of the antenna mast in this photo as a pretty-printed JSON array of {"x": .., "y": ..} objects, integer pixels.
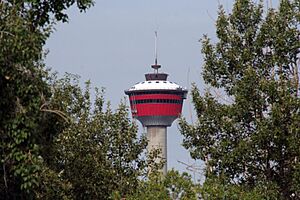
[
  {"x": 155, "y": 46},
  {"x": 156, "y": 66}
]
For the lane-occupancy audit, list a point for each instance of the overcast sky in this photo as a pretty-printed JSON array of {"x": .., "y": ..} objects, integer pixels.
[{"x": 112, "y": 44}]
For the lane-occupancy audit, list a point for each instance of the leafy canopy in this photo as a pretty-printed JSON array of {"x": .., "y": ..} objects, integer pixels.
[
  {"x": 174, "y": 185},
  {"x": 250, "y": 144},
  {"x": 98, "y": 152},
  {"x": 55, "y": 142}
]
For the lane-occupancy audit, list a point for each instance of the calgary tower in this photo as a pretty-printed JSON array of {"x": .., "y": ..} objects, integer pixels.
[{"x": 156, "y": 103}]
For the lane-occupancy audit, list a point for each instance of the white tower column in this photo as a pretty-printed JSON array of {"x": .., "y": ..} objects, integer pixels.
[{"x": 157, "y": 139}]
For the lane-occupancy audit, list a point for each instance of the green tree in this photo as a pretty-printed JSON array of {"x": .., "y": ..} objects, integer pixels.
[
  {"x": 55, "y": 143},
  {"x": 251, "y": 145},
  {"x": 99, "y": 151},
  {"x": 24, "y": 137},
  {"x": 41, "y": 13},
  {"x": 173, "y": 186}
]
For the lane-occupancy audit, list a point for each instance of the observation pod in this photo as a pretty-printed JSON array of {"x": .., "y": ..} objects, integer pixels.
[{"x": 156, "y": 103}]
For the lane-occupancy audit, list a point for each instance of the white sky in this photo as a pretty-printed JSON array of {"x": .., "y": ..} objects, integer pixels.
[{"x": 112, "y": 44}]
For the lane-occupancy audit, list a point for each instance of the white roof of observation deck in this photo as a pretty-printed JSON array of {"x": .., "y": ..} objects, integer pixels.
[{"x": 156, "y": 85}]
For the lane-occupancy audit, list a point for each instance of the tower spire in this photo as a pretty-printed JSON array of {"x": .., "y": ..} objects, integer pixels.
[
  {"x": 156, "y": 66},
  {"x": 155, "y": 47}
]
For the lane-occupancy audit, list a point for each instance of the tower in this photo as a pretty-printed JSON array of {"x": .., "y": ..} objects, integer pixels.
[{"x": 156, "y": 103}]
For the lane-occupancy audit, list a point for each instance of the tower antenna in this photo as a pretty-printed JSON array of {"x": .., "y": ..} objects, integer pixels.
[
  {"x": 156, "y": 66},
  {"x": 155, "y": 46}
]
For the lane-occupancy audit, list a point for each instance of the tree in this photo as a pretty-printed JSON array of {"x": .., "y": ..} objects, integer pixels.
[
  {"x": 173, "y": 186},
  {"x": 251, "y": 144},
  {"x": 99, "y": 151},
  {"x": 39, "y": 14},
  {"x": 24, "y": 28},
  {"x": 55, "y": 143}
]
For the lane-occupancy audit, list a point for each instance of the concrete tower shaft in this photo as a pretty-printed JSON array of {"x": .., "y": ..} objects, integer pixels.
[{"x": 157, "y": 139}]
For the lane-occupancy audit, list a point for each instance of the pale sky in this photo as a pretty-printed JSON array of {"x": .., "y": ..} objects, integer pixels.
[{"x": 112, "y": 44}]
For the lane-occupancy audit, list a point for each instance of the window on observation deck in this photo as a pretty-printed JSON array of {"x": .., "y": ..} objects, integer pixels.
[{"x": 167, "y": 101}]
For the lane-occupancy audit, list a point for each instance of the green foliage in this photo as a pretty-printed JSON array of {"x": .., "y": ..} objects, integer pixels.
[
  {"x": 24, "y": 124},
  {"x": 43, "y": 13},
  {"x": 54, "y": 142},
  {"x": 252, "y": 142},
  {"x": 99, "y": 151},
  {"x": 180, "y": 186},
  {"x": 216, "y": 188},
  {"x": 173, "y": 186},
  {"x": 52, "y": 185},
  {"x": 22, "y": 85}
]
